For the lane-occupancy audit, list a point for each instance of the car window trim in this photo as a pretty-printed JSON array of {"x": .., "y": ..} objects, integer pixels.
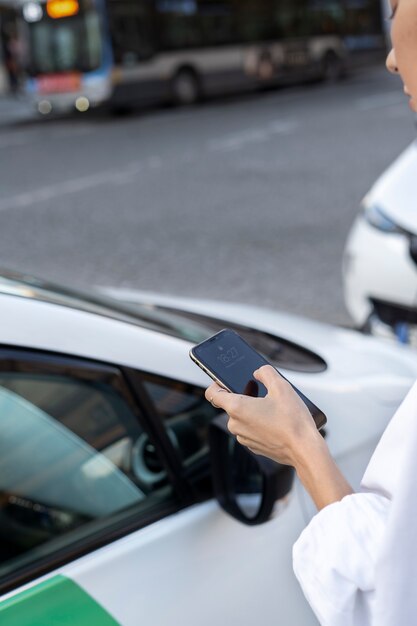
[
  {"x": 189, "y": 475},
  {"x": 155, "y": 425}
]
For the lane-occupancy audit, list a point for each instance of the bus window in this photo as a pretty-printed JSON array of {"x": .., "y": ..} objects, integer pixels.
[
  {"x": 179, "y": 30},
  {"x": 42, "y": 59},
  {"x": 216, "y": 22},
  {"x": 93, "y": 39},
  {"x": 131, "y": 27},
  {"x": 254, "y": 21},
  {"x": 67, "y": 44},
  {"x": 284, "y": 15}
]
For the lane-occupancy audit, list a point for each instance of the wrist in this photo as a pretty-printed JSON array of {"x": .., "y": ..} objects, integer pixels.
[
  {"x": 309, "y": 451},
  {"x": 319, "y": 474}
]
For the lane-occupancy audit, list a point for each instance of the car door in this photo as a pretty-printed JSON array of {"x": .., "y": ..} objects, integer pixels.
[
  {"x": 214, "y": 569},
  {"x": 69, "y": 479},
  {"x": 106, "y": 515}
]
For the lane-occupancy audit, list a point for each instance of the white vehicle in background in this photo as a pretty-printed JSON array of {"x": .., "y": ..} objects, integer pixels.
[
  {"x": 380, "y": 258},
  {"x": 113, "y": 464}
]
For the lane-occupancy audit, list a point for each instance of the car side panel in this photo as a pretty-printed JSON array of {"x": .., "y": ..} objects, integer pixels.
[
  {"x": 201, "y": 567},
  {"x": 198, "y": 567}
]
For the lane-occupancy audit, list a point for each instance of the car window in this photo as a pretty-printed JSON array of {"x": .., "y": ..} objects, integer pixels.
[
  {"x": 186, "y": 414},
  {"x": 72, "y": 454}
]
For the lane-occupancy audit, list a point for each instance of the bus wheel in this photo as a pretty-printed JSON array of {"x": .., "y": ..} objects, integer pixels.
[
  {"x": 185, "y": 87},
  {"x": 332, "y": 67}
]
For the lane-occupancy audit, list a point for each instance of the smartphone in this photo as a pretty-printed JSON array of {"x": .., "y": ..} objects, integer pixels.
[{"x": 229, "y": 360}]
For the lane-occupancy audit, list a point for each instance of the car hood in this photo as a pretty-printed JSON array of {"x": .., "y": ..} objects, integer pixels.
[
  {"x": 395, "y": 192},
  {"x": 353, "y": 359},
  {"x": 365, "y": 380}
]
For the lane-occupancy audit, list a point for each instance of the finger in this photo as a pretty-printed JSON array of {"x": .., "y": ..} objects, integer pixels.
[
  {"x": 230, "y": 402},
  {"x": 268, "y": 376},
  {"x": 211, "y": 391}
]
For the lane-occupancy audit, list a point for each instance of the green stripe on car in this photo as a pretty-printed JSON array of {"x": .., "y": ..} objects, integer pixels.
[{"x": 58, "y": 601}]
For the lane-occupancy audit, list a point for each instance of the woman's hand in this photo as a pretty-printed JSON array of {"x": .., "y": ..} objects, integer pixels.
[
  {"x": 281, "y": 427},
  {"x": 276, "y": 426}
]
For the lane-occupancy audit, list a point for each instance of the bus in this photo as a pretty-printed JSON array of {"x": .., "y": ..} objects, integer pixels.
[{"x": 83, "y": 53}]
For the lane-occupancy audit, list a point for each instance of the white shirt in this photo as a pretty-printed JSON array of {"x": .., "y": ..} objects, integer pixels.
[{"x": 357, "y": 559}]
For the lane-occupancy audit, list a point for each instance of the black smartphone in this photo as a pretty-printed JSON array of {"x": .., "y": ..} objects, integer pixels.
[{"x": 229, "y": 360}]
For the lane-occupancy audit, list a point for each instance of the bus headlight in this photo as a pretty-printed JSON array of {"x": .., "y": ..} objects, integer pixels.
[
  {"x": 82, "y": 104},
  {"x": 44, "y": 107}
]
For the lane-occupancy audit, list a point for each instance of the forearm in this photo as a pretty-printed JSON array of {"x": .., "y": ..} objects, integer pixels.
[{"x": 320, "y": 475}]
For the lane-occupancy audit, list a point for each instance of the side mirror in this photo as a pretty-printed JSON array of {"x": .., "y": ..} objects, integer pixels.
[{"x": 246, "y": 485}]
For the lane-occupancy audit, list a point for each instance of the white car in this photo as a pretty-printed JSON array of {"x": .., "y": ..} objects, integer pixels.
[
  {"x": 107, "y": 508},
  {"x": 380, "y": 259}
]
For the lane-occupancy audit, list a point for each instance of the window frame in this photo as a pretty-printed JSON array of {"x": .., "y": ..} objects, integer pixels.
[
  {"x": 126, "y": 381},
  {"x": 190, "y": 475}
]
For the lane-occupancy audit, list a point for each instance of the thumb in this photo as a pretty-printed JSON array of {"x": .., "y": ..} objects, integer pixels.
[{"x": 268, "y": 376}]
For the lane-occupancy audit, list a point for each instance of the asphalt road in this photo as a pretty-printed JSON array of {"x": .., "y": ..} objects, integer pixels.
[{"x": 247, "y": 199}]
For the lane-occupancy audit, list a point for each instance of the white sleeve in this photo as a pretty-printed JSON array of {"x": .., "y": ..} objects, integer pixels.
[{"x": 334, "y": 559}]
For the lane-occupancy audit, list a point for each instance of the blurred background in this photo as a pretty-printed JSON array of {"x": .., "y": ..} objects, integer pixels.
[{"x": 207, "y": 148}]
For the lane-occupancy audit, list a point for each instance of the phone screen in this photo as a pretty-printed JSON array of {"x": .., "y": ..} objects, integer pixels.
[
  {"x": 227, "y": 357},
  {"x": 233, "y": 362}
]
